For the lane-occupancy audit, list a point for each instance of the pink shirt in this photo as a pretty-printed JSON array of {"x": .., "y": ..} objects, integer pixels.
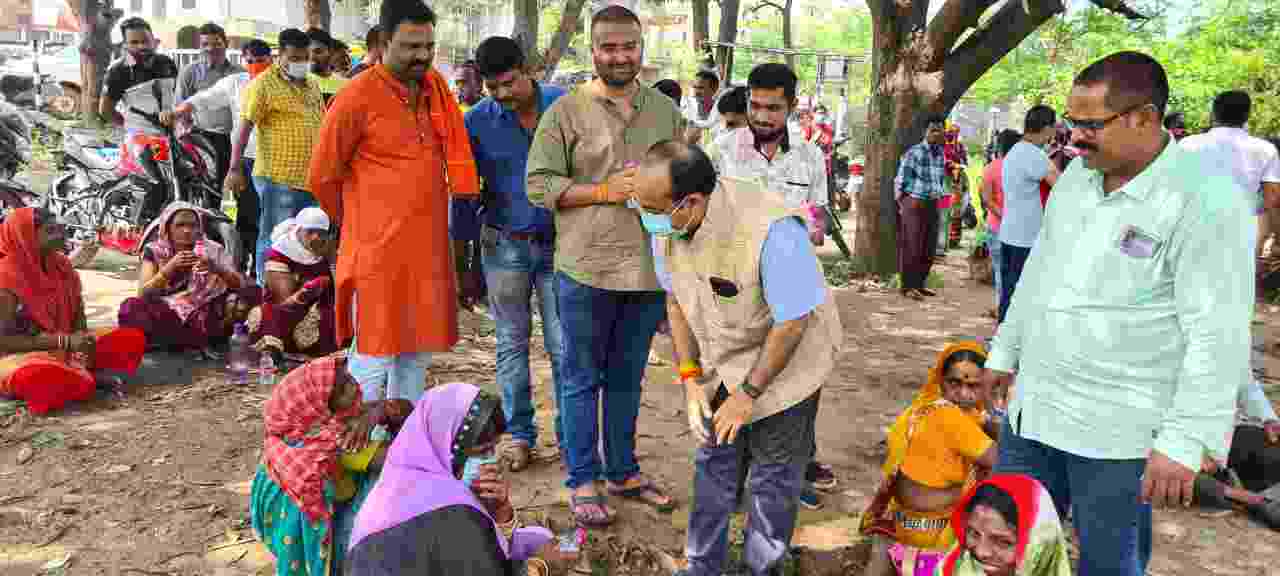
[{"x": 991, "y": 179}]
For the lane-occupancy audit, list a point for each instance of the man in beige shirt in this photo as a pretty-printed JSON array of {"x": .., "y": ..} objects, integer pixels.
[
  {"x": 749, "y": 304},
  {"x": 582, "y": 167}
]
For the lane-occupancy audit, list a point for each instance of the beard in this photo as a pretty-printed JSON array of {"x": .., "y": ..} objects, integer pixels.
[
  {"x": 618, "y": 76},
  {"x": 766, "y": 135}
]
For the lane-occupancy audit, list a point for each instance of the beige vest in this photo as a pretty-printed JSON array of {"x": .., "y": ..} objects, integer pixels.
[{"x": 731, "y": 330}]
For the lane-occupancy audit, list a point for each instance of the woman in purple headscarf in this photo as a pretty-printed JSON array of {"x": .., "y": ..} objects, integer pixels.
[{"x": 423, "y": 514}]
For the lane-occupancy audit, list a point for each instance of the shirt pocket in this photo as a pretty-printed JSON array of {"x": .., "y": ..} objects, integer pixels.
[{"x": 1128, "y": 269}]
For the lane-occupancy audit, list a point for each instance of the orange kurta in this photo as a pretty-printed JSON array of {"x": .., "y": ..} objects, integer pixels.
[{"x": 386, "y": 174}]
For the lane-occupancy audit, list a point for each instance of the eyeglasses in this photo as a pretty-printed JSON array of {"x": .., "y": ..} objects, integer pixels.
[{"x": 1094, "y": 126}]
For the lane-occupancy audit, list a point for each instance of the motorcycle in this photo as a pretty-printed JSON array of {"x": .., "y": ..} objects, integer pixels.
[
  {"x": 108, "y": 201},
  {"x": 841, "y": 173},
  {"x": 15, "y": 153}
]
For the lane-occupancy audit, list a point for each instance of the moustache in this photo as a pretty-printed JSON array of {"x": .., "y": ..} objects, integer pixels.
[{"x": 1084, "y": 145}]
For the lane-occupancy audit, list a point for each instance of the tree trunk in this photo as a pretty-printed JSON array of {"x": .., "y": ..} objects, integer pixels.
[
  {"x": 564, "y": 33},
  {"x": 701, "y": 27},
  {"x": 97, "y": 18},
  {"x": 525, "y": 30},
  {"x": 918, "y": 70},
  {"x": 318, "y": 13},
  {"x": 786, "y": 33},
  {"x": 728, "y": 35}
]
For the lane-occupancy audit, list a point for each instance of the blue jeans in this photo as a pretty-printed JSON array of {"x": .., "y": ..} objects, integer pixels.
[
  {"x": 607, "y": 335},
  {"x": 997, "y": 265},
  {"x": 397, "y": 376},
  {"x": 1102, "y": 496},
  {"x": 1013, "y": 258},
  {"x": 771, "y": 454},
  {"x": 513, "y": 270},
  {"x": 276, "y": 203}
]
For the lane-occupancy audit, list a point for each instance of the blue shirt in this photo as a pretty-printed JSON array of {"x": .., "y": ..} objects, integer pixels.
[
  {"x": 500, "y": 146},
  {"x": 922, "y": 173},
  {"x": 1024, "y": 167},
  {"x": 789, "y": 273}
]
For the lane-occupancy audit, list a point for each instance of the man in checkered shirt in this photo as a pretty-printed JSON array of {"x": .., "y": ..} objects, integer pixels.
[{"x": 921, "y": 181}]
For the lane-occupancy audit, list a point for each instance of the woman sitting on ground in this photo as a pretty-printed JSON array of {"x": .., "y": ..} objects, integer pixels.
[
  {"x": 1009, "y": 527},
  {"x": 296, "y": 315},
  {"x": 937, "y": 448},
  {"x": 441, "y": 504},
  {"x": 48, "y": 356},
  {"x": 318, "y": 465},
  {"x": 190, "y": 293}
]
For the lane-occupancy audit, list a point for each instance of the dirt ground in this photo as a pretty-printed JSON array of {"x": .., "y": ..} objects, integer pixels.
[{"x": 157, "y": 482}]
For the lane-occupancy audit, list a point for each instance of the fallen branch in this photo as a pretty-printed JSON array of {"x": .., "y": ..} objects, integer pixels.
[
  {"x": 62, "y": 531},
  {"x": 127, "y": 570},
  {"x": 176, "y": 556},
  {"x": 239, "y": 558},
  {"x": 233, "y": 544}
]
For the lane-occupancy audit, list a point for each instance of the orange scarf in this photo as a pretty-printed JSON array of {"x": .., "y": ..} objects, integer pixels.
[
  {"x": 51, "y": 292},
  {"x": 446, "y": 119}
]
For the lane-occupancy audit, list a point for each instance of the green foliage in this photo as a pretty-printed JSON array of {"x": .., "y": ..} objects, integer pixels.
[{"x": 1228, "y": 44}]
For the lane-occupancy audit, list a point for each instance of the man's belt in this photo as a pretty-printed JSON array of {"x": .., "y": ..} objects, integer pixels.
[{"x": 530, "y": 237}]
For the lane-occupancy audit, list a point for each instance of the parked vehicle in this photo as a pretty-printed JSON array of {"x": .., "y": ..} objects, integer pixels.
[
  {"x": 108, "y": 202},
  {"x": 841, "y": 172},
  {"x": 15, "y": 153}
]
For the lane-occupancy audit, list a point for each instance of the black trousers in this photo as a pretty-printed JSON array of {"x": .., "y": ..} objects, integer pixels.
[
  {"x": 247, "y": 212},
  {"x": 1254, "y": 460}
]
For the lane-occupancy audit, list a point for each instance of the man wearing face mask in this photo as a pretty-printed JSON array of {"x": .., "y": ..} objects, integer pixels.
[
  {"x": 518, "y": 238},
  {"x": 392, "y": 152},
  {"x": 283, "y": 108},
  {"x": 222, "y": 97},
  {"x": 755, "y": 344},
  {"x": 200, "y": 75},
  {"x": 136, "y": 80},
  {"x": 582, "y": 167}
]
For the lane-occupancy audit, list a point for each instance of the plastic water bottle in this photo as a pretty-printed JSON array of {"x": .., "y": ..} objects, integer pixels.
[
  {"x": 266, "y": 371},
  {"x": 240, "y": 355}
]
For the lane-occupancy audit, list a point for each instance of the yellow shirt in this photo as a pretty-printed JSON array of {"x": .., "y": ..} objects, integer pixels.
[
  {"x": 330, "y": 86},
  {"x": 944, "y": 447},
  {"x": 287, "y": 116}
]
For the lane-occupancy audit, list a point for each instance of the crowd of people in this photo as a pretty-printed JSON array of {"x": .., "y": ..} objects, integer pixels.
[{"x": 377, "y": 201}]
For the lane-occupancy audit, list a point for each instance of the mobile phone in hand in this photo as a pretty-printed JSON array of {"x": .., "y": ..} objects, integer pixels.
[{"x": 571, "y": 542}]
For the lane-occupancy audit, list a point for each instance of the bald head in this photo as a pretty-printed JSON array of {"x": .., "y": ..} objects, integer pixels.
[{"x": 686, "y": 168}]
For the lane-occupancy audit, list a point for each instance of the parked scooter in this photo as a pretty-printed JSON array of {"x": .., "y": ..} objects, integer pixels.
[
  {"x": 15, "y": 153},
  {"x": 108, "y": 202}
]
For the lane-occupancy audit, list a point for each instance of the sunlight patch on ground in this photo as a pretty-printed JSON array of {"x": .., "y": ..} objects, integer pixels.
[{"x": 827, "y": 536}]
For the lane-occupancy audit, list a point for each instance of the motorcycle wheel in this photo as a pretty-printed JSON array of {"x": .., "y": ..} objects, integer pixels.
[{"x": 81, "y": 250}]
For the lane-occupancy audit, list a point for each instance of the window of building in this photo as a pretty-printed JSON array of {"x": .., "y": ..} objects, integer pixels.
[
  {"x": 158, "y": 8},
  {"x": 135, "y": 5}
]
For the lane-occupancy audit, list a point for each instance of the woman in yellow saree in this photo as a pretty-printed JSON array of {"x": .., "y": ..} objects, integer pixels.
[{"x": 937, "y": 447}]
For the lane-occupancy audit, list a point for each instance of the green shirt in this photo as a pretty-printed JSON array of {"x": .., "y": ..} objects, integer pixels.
[
  {"x": 583, "y": 139},
  {"x": 1130, "y": 325}
]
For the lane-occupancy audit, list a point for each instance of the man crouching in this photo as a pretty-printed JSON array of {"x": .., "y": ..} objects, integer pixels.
[{"x": 747, "y": 295}]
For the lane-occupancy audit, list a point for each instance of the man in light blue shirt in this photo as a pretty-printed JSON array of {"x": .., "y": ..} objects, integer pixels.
[
  {"x": 1130, "y": 328},
  {"x": 1024, "y": 168}
]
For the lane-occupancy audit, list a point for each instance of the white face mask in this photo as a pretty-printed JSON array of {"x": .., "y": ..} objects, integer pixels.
[{"x": 298, "y": 70}]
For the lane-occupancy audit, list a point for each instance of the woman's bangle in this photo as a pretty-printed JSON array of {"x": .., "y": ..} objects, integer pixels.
[{"x": 601, "y": 193}]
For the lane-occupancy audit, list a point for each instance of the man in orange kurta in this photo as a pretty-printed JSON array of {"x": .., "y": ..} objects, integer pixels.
[{"x": 391, "y": 151}]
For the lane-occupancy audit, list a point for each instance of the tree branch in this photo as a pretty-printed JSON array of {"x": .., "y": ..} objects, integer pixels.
[
  {"x": 765, "y": 3},
  {"x": 949, "y": 24},
  {"x": 985, "y": 47},
  {"x": 1120, "y": 7}
]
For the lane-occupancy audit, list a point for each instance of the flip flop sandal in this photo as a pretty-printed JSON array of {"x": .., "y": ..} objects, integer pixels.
[
  {"x": 578, "y": 505},
  {"x": 1267, "y": 513},
  {"x": 638, "y": 493},
  {"x": 1209, "y": 493}
]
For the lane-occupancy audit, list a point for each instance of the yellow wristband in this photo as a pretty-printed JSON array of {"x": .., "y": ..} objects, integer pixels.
[
  {"x": 690, "y": 370},
  {"x": 601, "y": 195}
]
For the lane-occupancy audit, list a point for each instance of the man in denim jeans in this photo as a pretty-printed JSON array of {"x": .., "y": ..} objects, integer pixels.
[{"x": 518, "y": 237}]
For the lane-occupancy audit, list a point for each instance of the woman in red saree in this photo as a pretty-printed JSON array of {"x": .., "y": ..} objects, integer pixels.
[
  {"x": 296, "y": 316},
  {"x": 47, "y": 353},
  {"x": 190, "y": 292}
]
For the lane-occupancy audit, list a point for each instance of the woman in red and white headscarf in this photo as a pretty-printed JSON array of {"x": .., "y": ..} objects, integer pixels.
[
  {"x": 1007, "y": 526},
  {"x": 297, "y": 312}
]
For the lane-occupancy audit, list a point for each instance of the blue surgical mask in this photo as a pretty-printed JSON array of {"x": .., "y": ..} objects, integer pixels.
[
  {"x": 657, "y": 224},
  {"x": 471, "y": 470}
]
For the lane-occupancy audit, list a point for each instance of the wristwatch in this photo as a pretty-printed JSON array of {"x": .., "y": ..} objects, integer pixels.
[{"x": 750, "y": 390}]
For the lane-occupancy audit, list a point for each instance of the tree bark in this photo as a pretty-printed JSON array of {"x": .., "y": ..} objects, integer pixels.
[
  {"x": 97, "y": 18},
  {"x": 317, "y": 13},
  {"x": 701, "y": 27},
  {"x": 921, "y": 68},
  {"x": 525, "y": 30},
  {"x": 728, "y": 35},
  {"x": 564, "y": 33},
  {"x": 786, "y": 33}
]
